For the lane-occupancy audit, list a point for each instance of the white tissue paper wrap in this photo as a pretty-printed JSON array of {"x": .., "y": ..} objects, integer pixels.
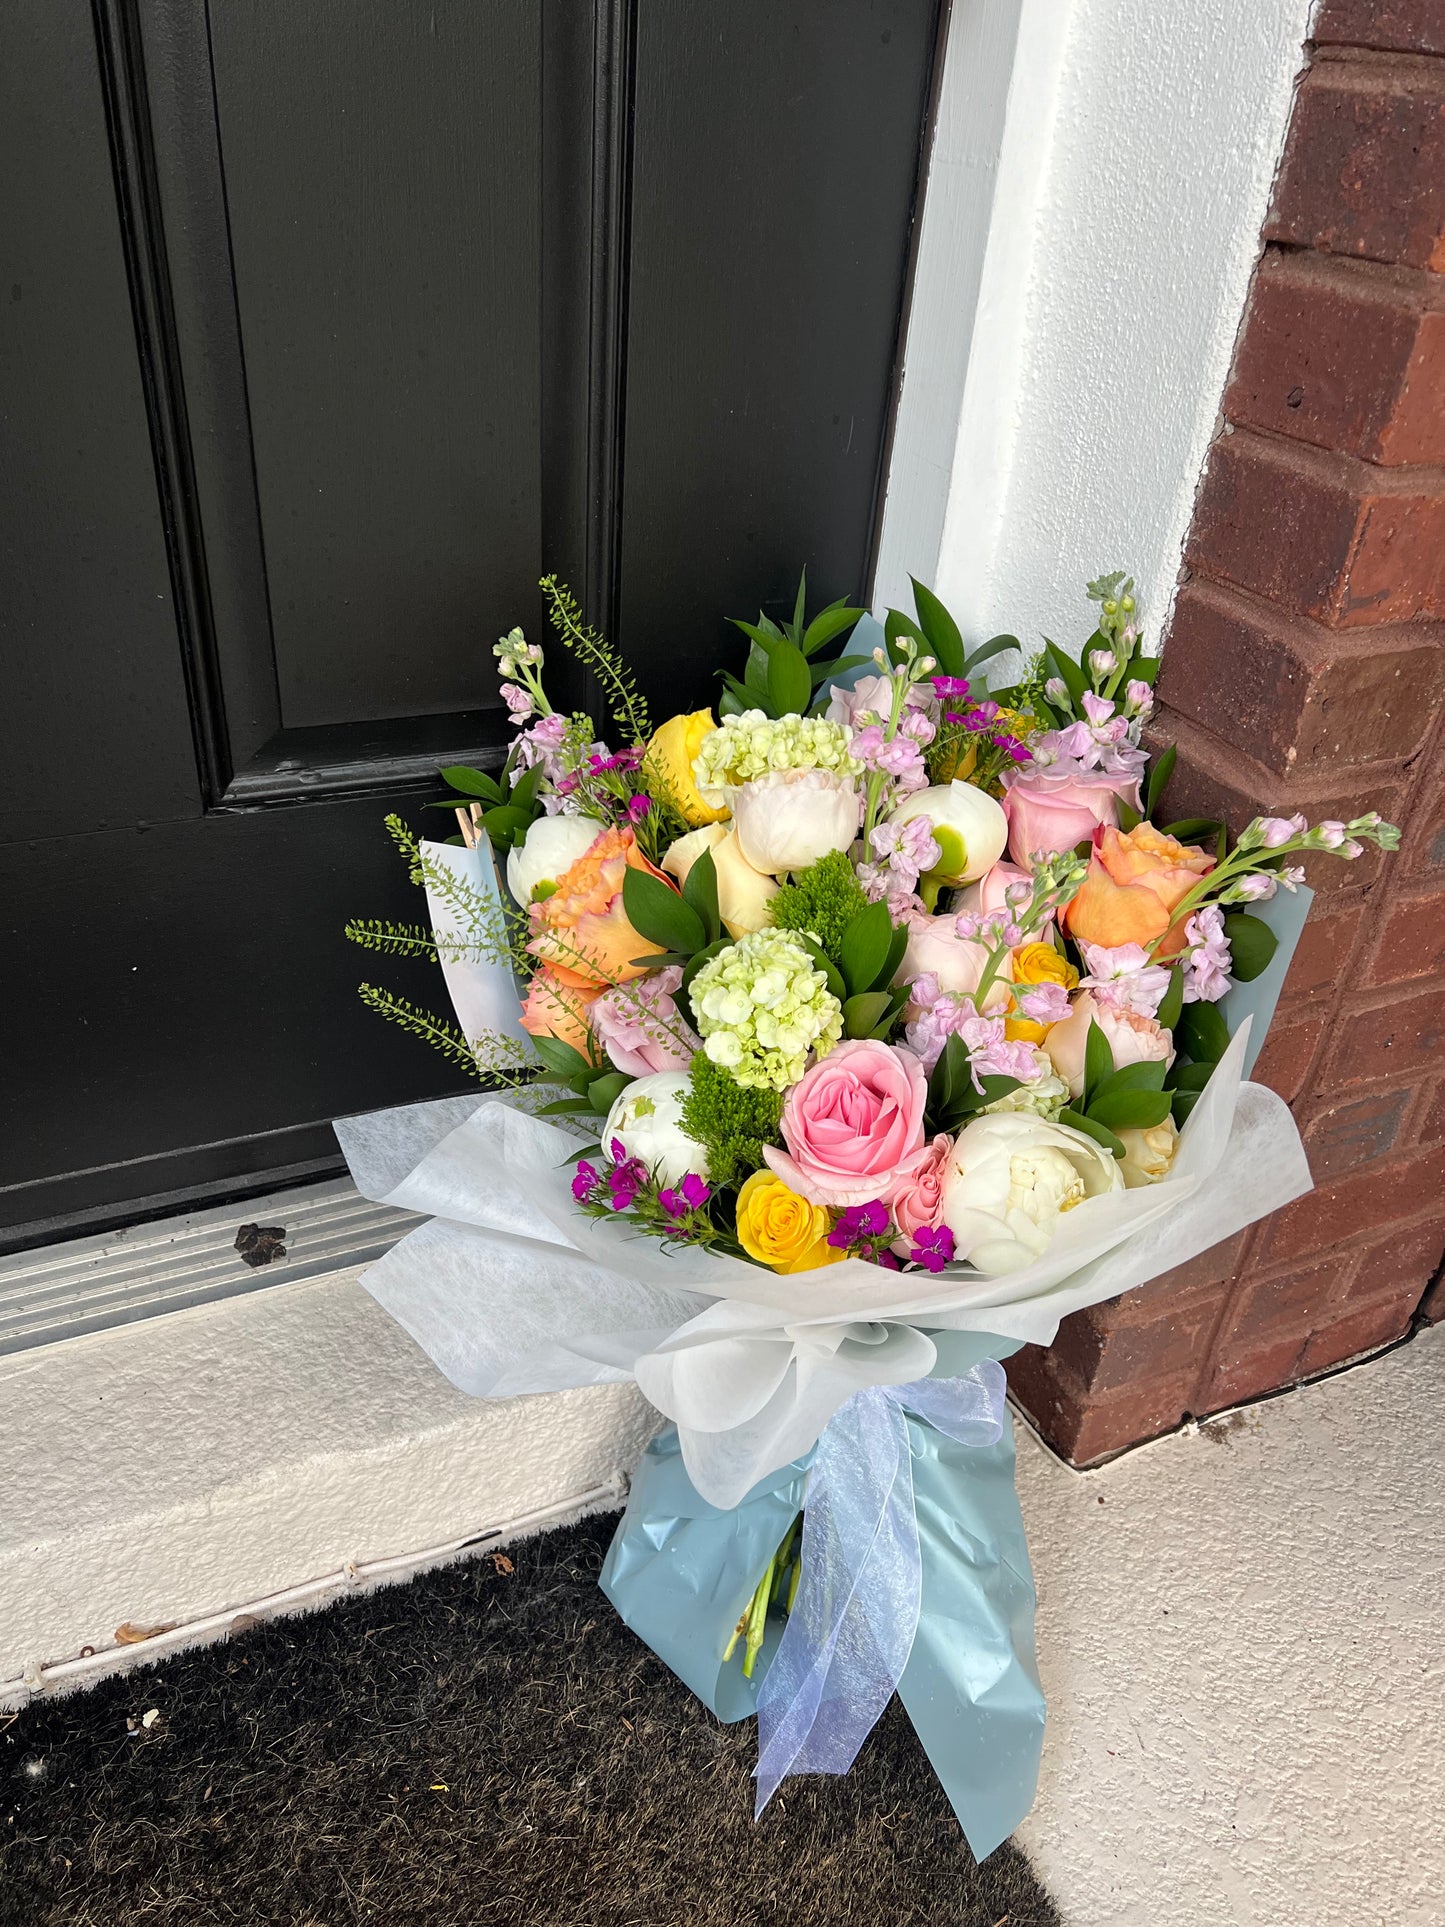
[{"x": 511, "y": 1289}]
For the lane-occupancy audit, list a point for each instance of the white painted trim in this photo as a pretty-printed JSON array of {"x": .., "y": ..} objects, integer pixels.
[{"x": 1100, "y": 174}]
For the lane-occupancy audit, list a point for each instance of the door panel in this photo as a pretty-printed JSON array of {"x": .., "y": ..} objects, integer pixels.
[{"x": 335, "y": 325}]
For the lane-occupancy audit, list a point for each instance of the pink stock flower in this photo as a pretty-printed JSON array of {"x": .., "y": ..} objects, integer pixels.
[
  {"x": 641, "y": 1028},
  {"x": 1043, "y": 1003},
  {"x": 1208, "y": 963},
  {"x": 916, "y": 1200},
  {"x": 518, "y": 701},
  {"x": 853, "y": 1124},
  {"x": 991, "y": 1053},
  {"x": 1123, "y": 978},
  {"x": 1257, "y": 888},
  {"x": 901, "y": 757},
  {"x": 1277, "y": 830},
  {"x": 934, "y": 1016}
]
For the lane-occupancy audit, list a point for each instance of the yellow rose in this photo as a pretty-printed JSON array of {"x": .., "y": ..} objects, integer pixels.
[
  {"x": 669, "y": 762},
  {"x": 1040, "y": 963},
  {"x": 1036, "y": 963},
  {"x": 782, "y": 1230}
]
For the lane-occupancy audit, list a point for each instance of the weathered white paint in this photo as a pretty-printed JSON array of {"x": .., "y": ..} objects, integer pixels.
[
  {"x": 175, "y": 1469},
  {"x": 1080, "y": 385},
  {"x": 1239, "y": 1637}
]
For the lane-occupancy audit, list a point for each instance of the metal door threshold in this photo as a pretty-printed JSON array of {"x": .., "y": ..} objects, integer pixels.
[{"x": 118, "y": 1277}]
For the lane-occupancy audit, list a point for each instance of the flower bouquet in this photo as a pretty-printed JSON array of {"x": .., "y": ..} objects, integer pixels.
[{"x": 901, "y": 1027}]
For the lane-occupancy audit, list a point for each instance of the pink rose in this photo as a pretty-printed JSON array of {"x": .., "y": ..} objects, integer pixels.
[
  {"x": 853, "y": 1124},
  {"x": 1133, "y": 1039},
  {"x": 987, "y": 894},
  {"x": 641, "y": 1028},
  {"x": 917, "y": 1197},
  {"x": 935, "y": 949},
  {"x": 1054, "y": 809}
]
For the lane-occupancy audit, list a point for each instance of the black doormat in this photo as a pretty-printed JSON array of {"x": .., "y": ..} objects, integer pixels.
[{"x": 485, "y": 1747}]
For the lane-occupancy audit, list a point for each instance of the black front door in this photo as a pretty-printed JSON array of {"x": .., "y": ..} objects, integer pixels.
[{"x": 329, "y": 325}]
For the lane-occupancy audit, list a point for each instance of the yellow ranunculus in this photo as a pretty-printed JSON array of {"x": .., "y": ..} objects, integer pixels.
[
  {"x": 669, "y": 759},
  {"x": 1040, "y": 963},
  {"x": 780, "y": 1229}
]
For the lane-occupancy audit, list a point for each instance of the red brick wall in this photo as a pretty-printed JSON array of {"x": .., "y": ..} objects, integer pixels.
[{"x": 1304, "y": 670}]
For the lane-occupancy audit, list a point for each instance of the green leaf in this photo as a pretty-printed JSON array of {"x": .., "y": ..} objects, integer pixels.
[
  {"x": 700, "y": 894},
  {"x": 863, "y": 951},
  {"x": 1159, "y": 774},
  {"x": 1193, "y": 829},
  {"x": 659, "y": 914},
  {"x": 660, "y": 959},
  {"x": 505, "y": 825},
  {"x": 800, "y": 606},
  {"x": 948, "y": 1077},
  {"x": 1190, "y": 1077},
  {"x": 1130, "y": 1110},
  {"x": 603, "y": 1092},
  {"x": 1067, "y": 671},
  {"x": 560, "y": 1057},
  {"x": 790, "y": 682},
  {"x": 763, "y": 632},
  {"x": 1143, "y": 668},
  {"x": 1134, "y": 1077},
  {"x": 1252, "y": 945},
  {"x": 1183, "y": 1104},
  {"x": 524, "y": 790},
  {"x": 702, "y": 957},
  {"x": 986, "y": 651},
  {"x": 1129, "y": 817},
  {"x": 453, "y": 803},
  {"x": 940, "y": 631},
  {"x": 568, "y": 1107},
  {"x": 1202, "y": 1033},
  {"x": 861, "y": 1014},
  {"x": 897, "y": 945},
  {"x": 1100, "y": 1133},
  {"x": 828, "y": 623},
  {"x": 896, "y": 624},
  {"x": 1172, "y": 1002},
  {"x": 835, "y": 666},
  {"x": 836, "y": 986},
  {"x": 472, "y": 782},
  {"x": 1098, "y": 1062}
]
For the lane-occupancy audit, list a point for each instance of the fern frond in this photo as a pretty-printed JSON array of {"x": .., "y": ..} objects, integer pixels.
[{"x": 629, "y": 711}]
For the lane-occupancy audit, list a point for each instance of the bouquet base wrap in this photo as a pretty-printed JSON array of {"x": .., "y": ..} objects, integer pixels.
[{"x": 680, "y": 1572}]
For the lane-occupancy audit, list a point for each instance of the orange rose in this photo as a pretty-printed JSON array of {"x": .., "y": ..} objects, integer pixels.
[
  {"x": 581, "y": 931},
  {"x": 1136, "y": 881},
  {"x": 555, "y": 1009}
]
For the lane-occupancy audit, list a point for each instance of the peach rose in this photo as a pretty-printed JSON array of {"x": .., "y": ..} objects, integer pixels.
[
  {"x": 1136, "y": 880},
  {"x": 1132, "y": 1039},
  {"x": 581, "y": 932},
  {"x": 555, "y": 1009}
]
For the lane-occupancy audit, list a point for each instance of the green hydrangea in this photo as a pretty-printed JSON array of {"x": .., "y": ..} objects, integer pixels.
[
  {"x": 1045, "y": 1097},
  {"x": 823, "y": 900},
  {"x": 750, "y": 745},
  {"x": 761, "y": 1005},
  {"x": 731, "y": 1123}
]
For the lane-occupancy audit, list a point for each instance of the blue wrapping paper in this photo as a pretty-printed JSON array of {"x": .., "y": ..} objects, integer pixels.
[{"x": 680, "y": 1571}]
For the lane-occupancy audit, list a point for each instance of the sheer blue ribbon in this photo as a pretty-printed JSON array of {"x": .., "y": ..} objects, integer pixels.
[{"x": 853, "y": 1622}]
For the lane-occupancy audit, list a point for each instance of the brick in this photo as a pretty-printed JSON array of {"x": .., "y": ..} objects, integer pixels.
[
  {"x": 1401, "y": 26},
  {"x": 1399, "y": 1267},
  {"x": 1422, "y": 854},
  {"x": 1401, "y": 1040},
  {"x": 1300, "y": 698},
  {"x": 1251, "y": 1368},
  {"x": 1364, "y": 164},
  {"x": 1431, "y": 1128},
  {"x": 1105, "y": 1426},
  {"x": 1289, "y": 1052},
  {"x": 1340, "y": 1136},
  {"x": 1362, "y": 1332},
  {"x": 1212, "y": 780},
  {"x": 1432, "y": 1305},
  {"x": 1322, "y": 953},
  {"x": 1411, "y": 942},
  {"x": 1277, "y": 1305},
  {"x": 1173, "y": 1288},
  {"x": 1323, "y": 535},
  {"x": 1106, "y": 1356},
  {"x": 1345, "y": 355},
  {"x": 1375, "y": 1199}
]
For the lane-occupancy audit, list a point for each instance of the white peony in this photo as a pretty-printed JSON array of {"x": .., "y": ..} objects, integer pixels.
[
  {"x": 742, "y": 892},
  {"x": 1009, "y": 1180},
  {"x": 791, "y": 817},
  {"x": 550, "y": 847},
  {"x": 1148, "y": 1154},
  {"x": 968, "y": 825},
  {"x": 647, "y": 1121}
]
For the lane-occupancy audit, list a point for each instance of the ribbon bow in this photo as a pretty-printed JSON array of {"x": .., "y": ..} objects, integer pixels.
[{"x": 852, "y": 1624}]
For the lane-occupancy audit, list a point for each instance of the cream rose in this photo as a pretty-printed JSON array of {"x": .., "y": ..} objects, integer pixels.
[
  {"x": 1131, "y": 1038},
  {"x": 1010, "y": 1179},
  {"x": 742, "y": 892},
  {"x": 1148, "y": 1154}
]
